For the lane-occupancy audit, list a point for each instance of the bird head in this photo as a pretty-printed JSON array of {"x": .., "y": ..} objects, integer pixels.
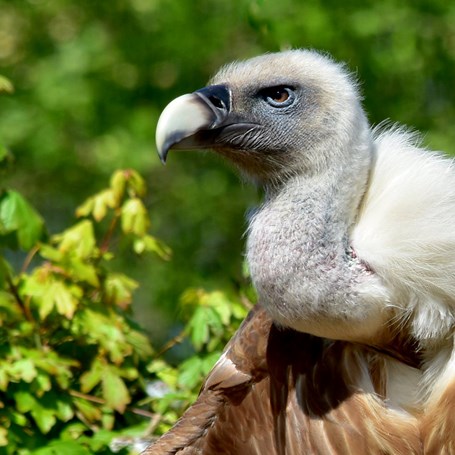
[{"x": 274, "y": 116}]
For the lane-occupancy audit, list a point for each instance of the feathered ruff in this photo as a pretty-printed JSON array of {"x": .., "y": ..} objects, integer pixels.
[{"x": 406, "y": 232}]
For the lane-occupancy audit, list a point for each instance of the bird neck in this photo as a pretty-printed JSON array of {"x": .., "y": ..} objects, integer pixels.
[
  {"x": 300, "y": 255},
  {"x": 332, "y": 197},
  {"x": 337, "y": 177}
]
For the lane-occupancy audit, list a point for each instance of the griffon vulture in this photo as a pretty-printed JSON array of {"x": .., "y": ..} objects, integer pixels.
[{"x": 352, "y": 254}]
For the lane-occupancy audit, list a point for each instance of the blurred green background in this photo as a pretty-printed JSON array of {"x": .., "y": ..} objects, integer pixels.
[{"x": 92, "y": 76}]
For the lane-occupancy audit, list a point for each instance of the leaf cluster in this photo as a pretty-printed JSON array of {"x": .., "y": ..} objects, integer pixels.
[
  {"x": 77, "y": 373},
  {"x": 72, "y": 358},
  {"x": 210, "y": 321}
]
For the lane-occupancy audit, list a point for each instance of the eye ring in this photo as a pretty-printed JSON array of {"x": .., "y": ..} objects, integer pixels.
[{"x": 278, "y": 96}]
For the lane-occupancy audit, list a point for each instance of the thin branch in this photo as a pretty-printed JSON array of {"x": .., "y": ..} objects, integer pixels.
[
  {"x": 171, "y": 343},
  {"x": 93, "y": 399},
  {"x": 84, "y": 396},
  {"x": 31, "y": 254},
  {"x": 24, "y": 308},
  {"x": 153, "y": 424},
  {"x": 105, "y": 243},
  {"x": 246, "y": 302}
]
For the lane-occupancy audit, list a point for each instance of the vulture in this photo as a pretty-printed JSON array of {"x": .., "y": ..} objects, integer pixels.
[{"x": 350, "y": 349}]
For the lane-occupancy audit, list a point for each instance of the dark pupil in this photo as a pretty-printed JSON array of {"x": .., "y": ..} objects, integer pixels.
[{"x": 279, "y": 95}]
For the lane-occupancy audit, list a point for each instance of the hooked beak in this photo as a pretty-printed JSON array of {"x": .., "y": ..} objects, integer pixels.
[{"x": 191, "y": 120}]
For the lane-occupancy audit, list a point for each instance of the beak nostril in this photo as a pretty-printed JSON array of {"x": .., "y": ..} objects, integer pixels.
[
  {"x": 217, "y": 102},
  {"x": 218, "y": 96}
]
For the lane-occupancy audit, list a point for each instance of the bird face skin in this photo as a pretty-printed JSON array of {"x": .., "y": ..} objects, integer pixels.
[{"x": 272, "y": 116}]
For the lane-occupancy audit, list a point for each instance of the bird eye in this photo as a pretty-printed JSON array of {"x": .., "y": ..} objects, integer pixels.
[{"x": 279, "y": 96}]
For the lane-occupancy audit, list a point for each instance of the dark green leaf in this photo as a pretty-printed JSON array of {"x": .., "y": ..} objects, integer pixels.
[
  {"x": 25, "y": 401},
  {"x": 190, "y": 372},
  {"x": 44, "y": 417},
  {"x": 63, "y": 448},
  {"x": 199, "y": 329},
  {"x": 19, "y": 217}
]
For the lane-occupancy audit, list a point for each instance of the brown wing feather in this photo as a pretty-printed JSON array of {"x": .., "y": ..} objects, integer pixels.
[{"x": 280, "y": 392}]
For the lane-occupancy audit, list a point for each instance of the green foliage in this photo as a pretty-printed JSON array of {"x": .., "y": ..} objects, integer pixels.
[
  {"x": 91, "y": 78},
  {"x": 210, "y": 320},
  {"x": 70, "y": 352},
  {"x": 74, "y": 366},
  {"x": 20, "y": 225}
]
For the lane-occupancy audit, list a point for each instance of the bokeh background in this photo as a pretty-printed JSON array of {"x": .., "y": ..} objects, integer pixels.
[{"x": 91, "y": 78}]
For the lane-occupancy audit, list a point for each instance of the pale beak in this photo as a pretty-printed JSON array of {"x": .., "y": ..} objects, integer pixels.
[{"x": 186, "y": 116}]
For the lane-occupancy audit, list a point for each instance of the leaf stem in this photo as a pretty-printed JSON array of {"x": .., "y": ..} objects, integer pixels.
[
  {"x": 171, "y": 343},
  {"x": 110, "y": 232},
  {"x": 24, "y": 308},
  {"x": 31, "y": 254},
  {"x": 93, "y": 399}
]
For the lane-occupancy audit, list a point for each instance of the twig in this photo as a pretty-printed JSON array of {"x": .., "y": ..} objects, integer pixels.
[
  {"x": 93, "y": 399},
  {"x": 31, "y": 254},
  {"x": 110, "y": 232},
  {"x": 246, "y": 302},
  {"x": 153, "y": 424},
  {"x": 20, "y": 302},
  {"x": 84, "y": 396},
  {"x": 171, "y": 343}
]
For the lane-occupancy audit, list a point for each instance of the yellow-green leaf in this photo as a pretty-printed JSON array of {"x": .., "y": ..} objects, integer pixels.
[
  {"x": 6, "y": 85},
  {"x": 199, "y": 328},
  {"x": 23, "y": 369},
  {"x": 164, "y": 372},
  {"x": 90, "y": 411},
  {"x": 4, "y": 378},
  {"x": 118, "y": 184},
  {"x": 65, "y": 298},
  {"x": 136, "y": 184},
  {"x": 44, "y": 418},
  {"x": 48, "y": 293},
  {"x": 152, "y": 244},
  {"x": 50, "y": 253},
  {"x": 119, "y": 289},
  {"x": 134, "y": 217},
  {"x": 114, "y": 391},
  {"x": 92, "y": 377},
  {"x": 102, "y": 202},
  {"x": 3, "y": 437},
  {"x": 64, "y": 409},
  {"x": 79, "y": 239},
  {"x": 85, "y": 208},
  {"x": 140, "y": 343},
  {"x": 81, "y": 271}
]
